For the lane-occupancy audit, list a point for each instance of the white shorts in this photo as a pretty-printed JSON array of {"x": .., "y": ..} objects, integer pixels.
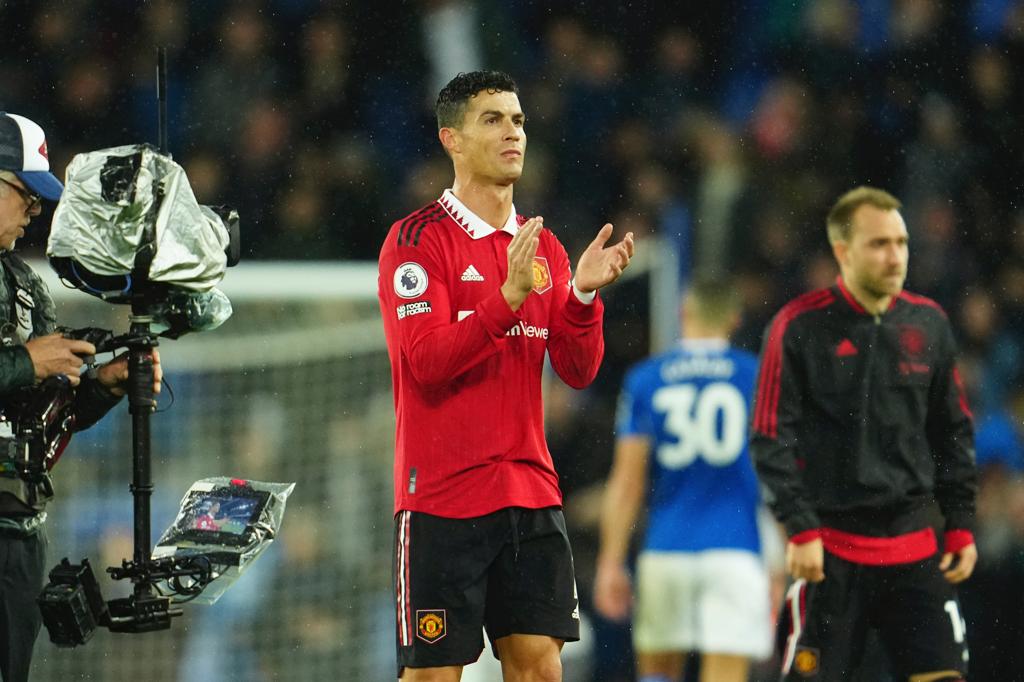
[{"x": 714, "y": 602}]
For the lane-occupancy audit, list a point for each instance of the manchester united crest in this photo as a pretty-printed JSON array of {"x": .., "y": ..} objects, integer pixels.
[
  {"x": 541, "y": 274},
  {"x": 431, "y": 625},
  {"x": 913, "y": 342}
]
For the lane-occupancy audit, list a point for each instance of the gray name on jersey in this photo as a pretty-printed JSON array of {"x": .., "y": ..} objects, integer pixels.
[{"x": 697, "y": 365}]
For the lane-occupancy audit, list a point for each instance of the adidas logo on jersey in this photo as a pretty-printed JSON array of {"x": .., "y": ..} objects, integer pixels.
[
  {"x": 845, "y": 349},
  {"x": 472, "y": 275}
]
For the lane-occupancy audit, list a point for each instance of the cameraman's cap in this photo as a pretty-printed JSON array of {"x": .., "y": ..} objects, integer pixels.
[{"x": 23, "y": 150}]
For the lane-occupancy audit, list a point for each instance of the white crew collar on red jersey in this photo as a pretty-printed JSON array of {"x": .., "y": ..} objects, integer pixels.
[{"x": 474, "y": 225}]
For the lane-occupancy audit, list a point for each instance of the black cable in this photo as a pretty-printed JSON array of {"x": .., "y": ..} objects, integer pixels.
[{"x": 170, "y": 393}]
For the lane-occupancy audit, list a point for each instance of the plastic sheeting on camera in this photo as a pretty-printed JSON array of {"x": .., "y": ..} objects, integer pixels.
[
  {"x": 128, "y": 228},
  {"x": 223, "y": 524},
  {"x": 195, "y": 311}
]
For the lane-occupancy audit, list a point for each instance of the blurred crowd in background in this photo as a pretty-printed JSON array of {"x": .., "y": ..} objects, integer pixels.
[{"x": 726, "y": 128}]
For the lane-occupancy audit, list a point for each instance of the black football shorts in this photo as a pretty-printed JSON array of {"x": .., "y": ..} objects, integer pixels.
[
  {"x": 911, "y": 607},
  {"x": 509, "y": 571}
]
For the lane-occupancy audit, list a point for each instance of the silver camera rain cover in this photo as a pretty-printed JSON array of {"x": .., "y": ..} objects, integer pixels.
[
  {"x": 118, "y": 200},
  {"x": 128, "y": 229},
  {"x": 230, "y": 522}
]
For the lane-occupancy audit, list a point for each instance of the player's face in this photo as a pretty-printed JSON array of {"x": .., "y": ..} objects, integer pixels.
[
  {"x": 15, "y": 211},
  {"x": 876, "y": 255},
  {"x": 492, "y": 140}
]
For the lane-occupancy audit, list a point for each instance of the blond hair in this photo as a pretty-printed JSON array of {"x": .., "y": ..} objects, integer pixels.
[
  {"x": 840, "y": 219},
  {"x": 713, "y": 300}
]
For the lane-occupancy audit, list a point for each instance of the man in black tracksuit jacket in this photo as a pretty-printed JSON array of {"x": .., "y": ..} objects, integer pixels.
[{"x": 863, "y": 440}]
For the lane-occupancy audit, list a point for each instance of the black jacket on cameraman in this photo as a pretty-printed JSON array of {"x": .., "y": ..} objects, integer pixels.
[
  {"x": 27, "y": 311},
  {"x": 860, "y": 421}
]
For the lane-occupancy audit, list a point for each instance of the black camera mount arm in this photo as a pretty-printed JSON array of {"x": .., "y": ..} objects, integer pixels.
[
  {"x": 72, "y": 604},
  {"x": 144, "y": 610},
  {"x": 140, "y": 342}
]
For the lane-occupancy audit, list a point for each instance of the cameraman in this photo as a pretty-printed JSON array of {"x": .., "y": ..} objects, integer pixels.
[{"x": 31, "y": 351}]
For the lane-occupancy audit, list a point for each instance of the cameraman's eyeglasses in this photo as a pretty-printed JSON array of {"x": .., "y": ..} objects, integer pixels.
[{"x": 32, "y": 201}]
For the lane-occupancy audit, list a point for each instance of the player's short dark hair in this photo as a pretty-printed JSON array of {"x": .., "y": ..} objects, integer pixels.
[
  {"x": 840, "y": 218},
  {"x": 453, "y": 98},
  {"x": 714, "y": 299}
]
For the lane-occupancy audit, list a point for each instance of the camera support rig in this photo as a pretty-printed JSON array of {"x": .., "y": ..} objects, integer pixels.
[
  {"x": 144, "y": 610},
  {"x": 71, "y": 604}
]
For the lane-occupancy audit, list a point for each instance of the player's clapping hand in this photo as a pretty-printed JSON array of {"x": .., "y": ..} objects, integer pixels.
[
  {"x": 806, "y": 560},
  {"x": 521, "y": 250},
  {"x": 600, "y": 265},
  {"x": 613, "y": 595},
  {"x": 961, "y": 569}
]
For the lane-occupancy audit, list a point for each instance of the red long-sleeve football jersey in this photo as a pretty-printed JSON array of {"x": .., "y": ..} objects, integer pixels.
[{"x": 466, "y": 369}]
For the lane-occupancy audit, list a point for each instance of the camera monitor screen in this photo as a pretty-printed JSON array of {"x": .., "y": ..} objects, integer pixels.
[{"x": 219, "y": 516}]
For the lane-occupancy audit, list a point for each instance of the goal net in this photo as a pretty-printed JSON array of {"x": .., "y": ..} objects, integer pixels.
[{"x": 295, "y": 387}]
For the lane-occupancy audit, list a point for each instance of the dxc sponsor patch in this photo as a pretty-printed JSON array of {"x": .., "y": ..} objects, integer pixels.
[{"x": 410, "y": 309}]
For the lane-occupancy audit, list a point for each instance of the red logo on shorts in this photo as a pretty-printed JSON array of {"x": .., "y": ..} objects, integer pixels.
[{"x": 430, "y": 625}]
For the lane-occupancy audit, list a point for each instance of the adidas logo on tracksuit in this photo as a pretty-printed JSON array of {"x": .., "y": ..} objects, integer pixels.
[{"x": 472, "y": 275}]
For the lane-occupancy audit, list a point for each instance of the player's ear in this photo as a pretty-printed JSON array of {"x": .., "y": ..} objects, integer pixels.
[
  {"x": 840, "y": 249},
  {"x": 449, "y": 140}
]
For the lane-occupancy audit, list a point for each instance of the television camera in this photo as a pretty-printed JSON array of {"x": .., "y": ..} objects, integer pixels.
[{"x": 128, "y": 230}]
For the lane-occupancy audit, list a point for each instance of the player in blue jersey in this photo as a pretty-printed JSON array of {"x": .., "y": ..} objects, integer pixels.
[{"x": 681, "y": 443}]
